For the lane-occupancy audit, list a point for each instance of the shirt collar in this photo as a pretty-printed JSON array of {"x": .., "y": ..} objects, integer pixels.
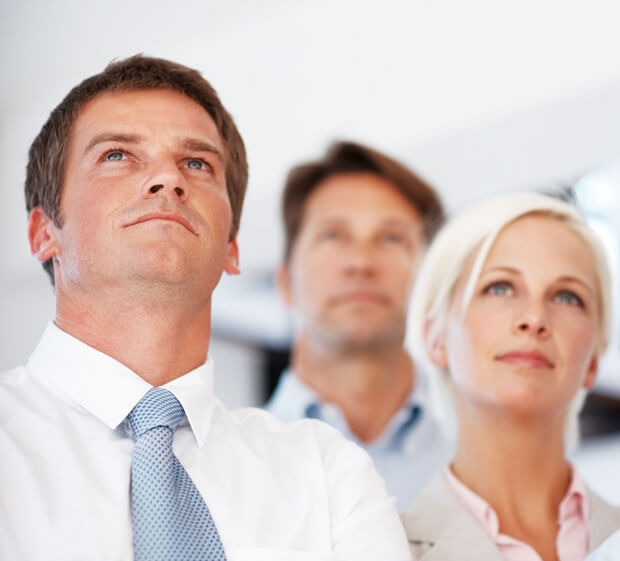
[
  {"x": 575, "y": 503},
  {"x": 293, "y": 393},
  {"x": 303, "y": 396},
  {"x": 475, "y": 504},
  {"x": 99, "y": 384}
]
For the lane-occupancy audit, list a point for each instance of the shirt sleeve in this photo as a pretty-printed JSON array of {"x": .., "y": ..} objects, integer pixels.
[{"x": 365, "y": 525}]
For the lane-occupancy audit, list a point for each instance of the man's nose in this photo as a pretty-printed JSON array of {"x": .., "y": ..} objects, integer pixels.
[
  {"x": 179, "y": 191},
  {"x": 166, "y": 180},
  {"x": 360, "y": 260}
]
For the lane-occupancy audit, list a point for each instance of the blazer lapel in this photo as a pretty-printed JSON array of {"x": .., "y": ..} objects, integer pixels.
[
  {"x": 604, "y": 520},
  {"x": 440, "y": 528}
]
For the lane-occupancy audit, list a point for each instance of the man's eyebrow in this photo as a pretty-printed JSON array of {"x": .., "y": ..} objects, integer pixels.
[
  {"x": 112, "y": 137},
  {"x": 196, "y": 145},
  {"x": 329, "y": 220},
  {"x": 394, "y": 222}
]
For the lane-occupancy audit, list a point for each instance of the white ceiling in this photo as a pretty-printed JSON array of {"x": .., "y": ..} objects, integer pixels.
[{"x": 478, "y": 96}]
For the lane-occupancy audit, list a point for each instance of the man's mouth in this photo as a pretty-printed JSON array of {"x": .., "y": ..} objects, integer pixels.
[
  {"x": 360, "y": 297},
  {"x": 163, "y": 216}
]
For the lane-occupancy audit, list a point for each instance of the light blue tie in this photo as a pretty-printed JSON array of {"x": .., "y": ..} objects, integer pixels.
[{"x": 170, "y": 519}]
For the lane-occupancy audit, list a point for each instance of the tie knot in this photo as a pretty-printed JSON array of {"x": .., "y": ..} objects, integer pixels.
[{"x": 158, "y": 408}]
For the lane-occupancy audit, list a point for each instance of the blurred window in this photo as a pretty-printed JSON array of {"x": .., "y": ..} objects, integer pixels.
[{"x": 598, "y": 195}]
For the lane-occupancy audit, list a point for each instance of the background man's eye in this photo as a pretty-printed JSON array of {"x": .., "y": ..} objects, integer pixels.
[
  {"x": 330, "y": 235},
  {"x": 393, "y": 238},
  {"x": 114, "y": 156}
]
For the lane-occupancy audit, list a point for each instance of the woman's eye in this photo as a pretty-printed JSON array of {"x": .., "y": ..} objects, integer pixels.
[
  {"x": 115, "y": 156},
  {"x": 570, "y": 298},
  {"x": 501, "y": 288}
]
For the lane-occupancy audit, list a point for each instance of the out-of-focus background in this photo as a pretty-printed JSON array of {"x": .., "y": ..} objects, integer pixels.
[{"x": 478, "y": 97}]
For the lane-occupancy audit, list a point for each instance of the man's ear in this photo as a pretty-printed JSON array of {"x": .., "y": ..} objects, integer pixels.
[
  {"x": 435, "y": 345},
  {"x": 231, "y": 265},
  {"x": 590, "y": 378},
  {"x": 283, "y": 282},
  {"x": 42, "y": 235}
]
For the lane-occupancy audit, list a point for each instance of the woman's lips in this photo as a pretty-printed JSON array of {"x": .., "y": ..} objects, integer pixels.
[{"x": 528, "y": 359}]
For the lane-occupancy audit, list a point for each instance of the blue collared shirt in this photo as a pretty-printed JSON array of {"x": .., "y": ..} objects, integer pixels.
[{"x": 409, "y": 451}]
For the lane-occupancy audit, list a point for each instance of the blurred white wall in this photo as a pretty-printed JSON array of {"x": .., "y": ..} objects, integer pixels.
[{"x": 478, "y": 96}]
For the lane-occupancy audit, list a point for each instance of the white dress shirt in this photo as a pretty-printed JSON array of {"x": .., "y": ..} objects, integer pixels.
[
  {"x": 275, "y": 491},
  {"x": 407, "y": 454}
]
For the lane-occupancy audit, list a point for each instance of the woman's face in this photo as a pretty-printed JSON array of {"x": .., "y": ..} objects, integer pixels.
[{"x": 528, "y": 339}]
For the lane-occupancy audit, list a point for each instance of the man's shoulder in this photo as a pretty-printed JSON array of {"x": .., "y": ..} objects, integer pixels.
[
  {"x": 305, "y": 439},
  {"x": 254, "y": 418},
  {"x": 12, "y": 377},
  {"x": 13, "y": 381}
]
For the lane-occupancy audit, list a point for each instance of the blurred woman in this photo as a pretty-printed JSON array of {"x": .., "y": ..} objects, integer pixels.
[{"x": 512, "y": 308}]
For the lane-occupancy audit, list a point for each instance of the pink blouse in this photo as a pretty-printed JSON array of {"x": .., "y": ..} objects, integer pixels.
[{"x": 572, "y": 539}]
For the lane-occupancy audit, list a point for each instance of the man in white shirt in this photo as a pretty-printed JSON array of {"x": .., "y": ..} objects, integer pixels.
[
  {"x": 356, "y": 227},
  {"x": 134, "y": 188}
]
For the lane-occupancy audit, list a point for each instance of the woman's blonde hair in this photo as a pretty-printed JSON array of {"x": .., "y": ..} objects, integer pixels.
[{"x": 470, "y": 236}]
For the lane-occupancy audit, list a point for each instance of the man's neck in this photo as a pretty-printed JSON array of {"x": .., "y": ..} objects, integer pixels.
[
  {"x": 159, "y": 340},
  {"x": 367, "y": 386}
]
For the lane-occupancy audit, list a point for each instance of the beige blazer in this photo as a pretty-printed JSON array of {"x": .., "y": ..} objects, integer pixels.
[{"x": 440, "y": 528}]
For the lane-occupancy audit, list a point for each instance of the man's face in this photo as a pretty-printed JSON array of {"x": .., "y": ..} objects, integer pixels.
[
  {"x": 144, "y": 197},
  {"x": 351, "y": 270}
]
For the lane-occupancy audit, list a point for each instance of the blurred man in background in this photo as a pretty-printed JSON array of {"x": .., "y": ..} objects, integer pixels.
[{"x": 356, "y": 227}]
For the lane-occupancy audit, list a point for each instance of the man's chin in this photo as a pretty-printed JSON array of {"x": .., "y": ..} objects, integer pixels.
[
  {"x": 364, "y": 340},
  {"x": 164, "y": 271}
]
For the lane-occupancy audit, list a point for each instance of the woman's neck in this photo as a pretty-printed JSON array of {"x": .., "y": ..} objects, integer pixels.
[{"x": 518, "y": 466}]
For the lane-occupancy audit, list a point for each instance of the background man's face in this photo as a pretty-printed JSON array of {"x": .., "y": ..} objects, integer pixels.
[
  {"x": 144, "y": 195},
  {"x": 351, "y": 270}
]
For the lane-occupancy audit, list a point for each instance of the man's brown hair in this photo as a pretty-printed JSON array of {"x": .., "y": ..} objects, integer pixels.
[
  {"x": 48, "y": 153},
  {"x": 349, "y": 157}
]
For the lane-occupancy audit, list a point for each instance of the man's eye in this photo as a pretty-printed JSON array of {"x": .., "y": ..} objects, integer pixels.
[
  {"x": 570, "y": 298},
  {"x": 501, "y": 288},
  {"x": 114, "y": 155},
  {"x": 331, "y": 235},
  {"x": 196, "y": 163},
  {"x": 393, "y": 238}
]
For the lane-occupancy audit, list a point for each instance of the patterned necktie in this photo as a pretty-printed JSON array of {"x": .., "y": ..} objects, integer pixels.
[{"x": 170, "y": 519}]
